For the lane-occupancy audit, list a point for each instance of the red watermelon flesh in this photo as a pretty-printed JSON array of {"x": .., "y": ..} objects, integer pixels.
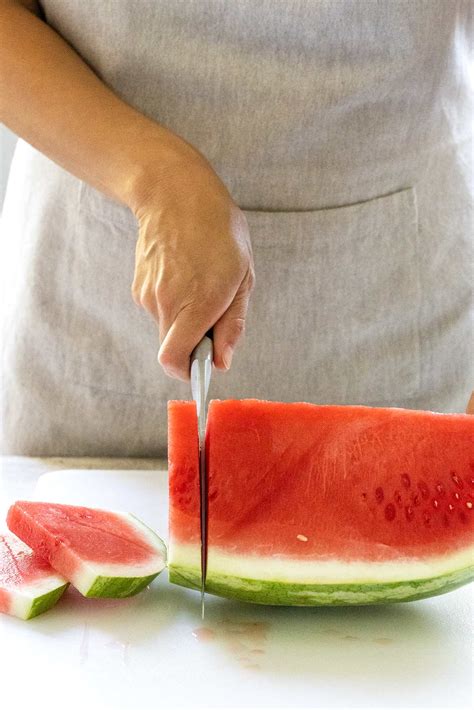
[
  {"x": 102, "y": 553},
  {"x": 323, "y": 504},
  {"x": 28, "y": 584}
]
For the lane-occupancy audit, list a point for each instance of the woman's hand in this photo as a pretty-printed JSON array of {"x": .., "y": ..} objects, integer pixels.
[
  {"x": 194, "y": 261},
  {"x": 194, "y": 266}
]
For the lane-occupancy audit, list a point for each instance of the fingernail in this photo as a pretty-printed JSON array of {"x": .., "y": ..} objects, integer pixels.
[{"x": 227, "y": 355}]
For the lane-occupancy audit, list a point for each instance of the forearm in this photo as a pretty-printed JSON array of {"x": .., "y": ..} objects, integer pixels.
[{"x": 52, "y": 99}]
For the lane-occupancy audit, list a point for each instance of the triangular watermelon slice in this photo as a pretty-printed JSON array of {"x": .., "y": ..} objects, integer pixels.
[
  {"x": 28, "y": 584},
  {"x": 322, "y": 505},
  {"x": 102, "y": 553}
]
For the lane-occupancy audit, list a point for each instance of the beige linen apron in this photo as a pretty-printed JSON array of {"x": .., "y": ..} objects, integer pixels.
[{"x": 342, "y": 128}]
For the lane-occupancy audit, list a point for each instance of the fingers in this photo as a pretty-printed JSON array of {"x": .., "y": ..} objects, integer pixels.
[
  {"x": 191, "y": 324},
  {"x": 180, "y": 340},
  {"x": 231, "y": 325}
]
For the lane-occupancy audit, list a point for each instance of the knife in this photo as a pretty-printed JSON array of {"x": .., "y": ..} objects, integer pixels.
[{"x": 201, "y": 368}]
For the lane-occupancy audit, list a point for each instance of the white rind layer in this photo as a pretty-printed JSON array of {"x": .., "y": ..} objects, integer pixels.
[
  {"x": 88, "y": 572},
  {"x": 299, "y": 571},
  {"x": 23, "y": 597}
]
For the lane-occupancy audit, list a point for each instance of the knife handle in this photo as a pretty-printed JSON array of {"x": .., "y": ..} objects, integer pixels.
[{"x": 204, "y": 350}]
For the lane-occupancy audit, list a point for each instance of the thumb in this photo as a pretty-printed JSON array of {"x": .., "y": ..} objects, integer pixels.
[{"x": 230, "y": 327}]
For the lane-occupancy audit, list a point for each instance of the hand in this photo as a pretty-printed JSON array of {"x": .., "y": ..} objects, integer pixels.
[{"x": 193, "y": 266}]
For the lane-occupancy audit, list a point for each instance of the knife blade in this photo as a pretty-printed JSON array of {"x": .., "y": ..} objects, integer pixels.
[{"x": 201, "y": 368}]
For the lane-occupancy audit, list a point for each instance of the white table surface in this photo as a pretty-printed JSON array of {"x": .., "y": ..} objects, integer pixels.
[{"x": 149, "y": 652}]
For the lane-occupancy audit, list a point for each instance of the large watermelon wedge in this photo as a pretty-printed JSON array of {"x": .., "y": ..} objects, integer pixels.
[
  {"x": 28, "y": 585},
  {"x": 319, "y": 505},
  {"x": 102, "y": 553}
]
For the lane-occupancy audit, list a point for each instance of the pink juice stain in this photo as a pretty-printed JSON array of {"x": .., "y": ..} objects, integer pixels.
[
  {"x": 243, "y": 639},
  {"x": 84, "y": 646},
  {"x": 204, "y": 634},
  {"x": 124, "y": 647}
]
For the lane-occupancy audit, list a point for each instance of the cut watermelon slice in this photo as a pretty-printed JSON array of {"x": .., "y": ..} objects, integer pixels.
[
  {"x": 102, "y": 553},
  {"x": 28, "y": 585},
  {"x": 319, "y": 505}
]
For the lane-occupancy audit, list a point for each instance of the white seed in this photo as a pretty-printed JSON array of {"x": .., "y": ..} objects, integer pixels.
[
  {"x": 303, "y": 538},
  {"x": 469, "y": 504}
]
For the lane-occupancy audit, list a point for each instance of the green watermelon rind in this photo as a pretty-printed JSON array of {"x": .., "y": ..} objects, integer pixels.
[
  {"x": 287, "y": 594},
  {"x": 46, "y": 601},
  {"x": 118, "y": 587}
]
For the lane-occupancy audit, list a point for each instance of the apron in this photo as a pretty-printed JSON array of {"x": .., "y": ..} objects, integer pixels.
[{"x": 341, "y": 128}]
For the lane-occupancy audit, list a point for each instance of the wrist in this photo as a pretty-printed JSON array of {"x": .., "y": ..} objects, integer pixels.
[{"x": 156, "y": 160}]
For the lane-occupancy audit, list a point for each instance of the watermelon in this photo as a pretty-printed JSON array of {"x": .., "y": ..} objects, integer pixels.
[
  {"x": 323, "y": 505},
  {"x": 102, "y": 553},
  {"x": 28, "y": 585}
]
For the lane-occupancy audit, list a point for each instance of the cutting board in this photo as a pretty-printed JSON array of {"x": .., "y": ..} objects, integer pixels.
[{"x": 153, "y": 650}]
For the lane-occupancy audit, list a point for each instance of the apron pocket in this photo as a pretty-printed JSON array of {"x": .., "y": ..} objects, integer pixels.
[{"x": 333, "y": 318}]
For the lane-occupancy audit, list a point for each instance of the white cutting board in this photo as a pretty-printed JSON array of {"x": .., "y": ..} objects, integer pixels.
[{"x": 154, "y": 651}]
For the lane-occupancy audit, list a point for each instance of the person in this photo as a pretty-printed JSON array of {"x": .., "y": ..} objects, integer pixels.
[{"x": 157, "y": 136}]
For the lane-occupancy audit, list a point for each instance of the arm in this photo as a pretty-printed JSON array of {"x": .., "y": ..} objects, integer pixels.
[{"x": 193, "y": 262}]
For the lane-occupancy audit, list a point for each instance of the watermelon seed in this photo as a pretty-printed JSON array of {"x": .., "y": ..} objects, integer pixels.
[
  {"x": 457, "y": 480},
  {"x": 390, "y": 511},
  {"x": 303, "y": 538},
  {"x": 451, "y": 508},
  {"x": 406, "y": 480},
  {"x": 440, "y": 489},
  {"x": 398, "y": 498},
  {"x": 456, "y": 496},
  {"x": 469, "y": 504},
  {"x": 435, "y": 503},
  {"x": 424, "y": 489},
  {"x": 409, "y": 512},
  {"x": 379, "y": 496}
]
